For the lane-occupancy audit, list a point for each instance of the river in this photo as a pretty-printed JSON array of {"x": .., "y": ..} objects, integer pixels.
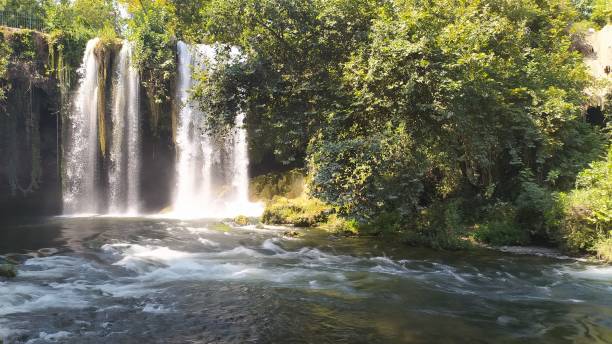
[{"x": 153, "y": 280}]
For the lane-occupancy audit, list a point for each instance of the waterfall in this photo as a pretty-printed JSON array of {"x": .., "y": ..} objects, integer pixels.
[
  {"x": 81, "y": 147},
  {"x": 194, "y": 163},
  {"x": 212, "y": 172},
  {"x": 124, "y": 181},
  {"x": 240, "y": 179},
  {"x": 211, "y": 169}
]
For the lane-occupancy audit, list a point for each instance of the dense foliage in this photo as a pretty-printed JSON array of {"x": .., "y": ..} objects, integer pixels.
[
  {"x": 151, "y": 31},
  {"x": 586, "y": 211},
  {"x": 70, "y": 24},
  {"x": 597, "y": 11},
  {"x": 5, "y": 53}
]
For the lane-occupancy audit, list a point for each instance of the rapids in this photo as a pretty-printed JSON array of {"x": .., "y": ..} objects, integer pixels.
[{"x": 135, "y": 280}]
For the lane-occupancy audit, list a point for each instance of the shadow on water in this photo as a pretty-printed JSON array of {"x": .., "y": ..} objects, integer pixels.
[
  {"x": 27, "y": 234},
  {"x": 22, "y": 235}
]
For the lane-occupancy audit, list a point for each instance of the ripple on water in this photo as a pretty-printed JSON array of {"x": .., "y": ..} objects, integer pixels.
[
  {"x": 170, "y": 276},
  {"x": 598, "y": 273}
]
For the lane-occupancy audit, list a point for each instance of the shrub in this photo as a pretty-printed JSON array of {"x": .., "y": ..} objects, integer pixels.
[
  {"x": 500, "y": 226},
  {"x": 288, "y": 184},
  {"x": 586, "y": 212},
  {"x": 439, "y": 226},
  {"x": 388, "y": 222},
  {"x": 604, "y": 248},
  {"x": 302, "y": 211},
  {"x": 368, "y": 177},
  {"x": 533, "y": 205},
  {"x": 338, "y": 224},
  {"x": 241, "y": 220}
]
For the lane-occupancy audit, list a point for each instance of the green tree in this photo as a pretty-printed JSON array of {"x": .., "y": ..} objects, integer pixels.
[
  {"x": 292, "y": 74},
  {"x": 151, "y": 29},
  {"x": 471, "y": 85}
]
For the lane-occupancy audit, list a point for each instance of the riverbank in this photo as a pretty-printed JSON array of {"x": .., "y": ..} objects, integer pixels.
[{"x": 304, "y": 211}]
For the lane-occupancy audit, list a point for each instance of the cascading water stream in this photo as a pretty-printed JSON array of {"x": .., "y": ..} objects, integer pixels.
[
  {"x": 124, "y": 172},
  {"x": 194, "y": 152},
  {"x": 240, "y": 179},
  {"x": 134, "y": 142},
  {"x": 212, "y": 172},
  {"x": 81, "y": 148}
]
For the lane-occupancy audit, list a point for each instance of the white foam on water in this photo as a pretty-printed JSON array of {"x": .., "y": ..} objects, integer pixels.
[
  {"x": 237, "y": 252},
  {"x": 144, "y": 258},
  {"x": 196, "y": 230},
  {"x": 270, "y": 245},
  {"x": 27, "y": 298},
  {"x": 50, "y": 337},
  {"x": 5, "y": 331},
  {"x": 155, "y": 308},
  {"x": 599, "y": 273},
  {"x": 156, "y": 265},
  {"x": 207, "y": 242}
]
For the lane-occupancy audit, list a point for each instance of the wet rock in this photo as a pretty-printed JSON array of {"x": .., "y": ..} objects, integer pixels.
[{"x": 292, "y": 234}]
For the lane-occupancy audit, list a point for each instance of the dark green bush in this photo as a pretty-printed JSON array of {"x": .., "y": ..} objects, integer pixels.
[
  {"x": 340, "y": 225},
  {"x": 533, "y": 206},
  {"x": 440, "y": 226},
  {"x": 500, "y": 226}
]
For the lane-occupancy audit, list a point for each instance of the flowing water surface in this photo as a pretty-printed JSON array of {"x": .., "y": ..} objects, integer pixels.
[{"x": 145, "y": 280}]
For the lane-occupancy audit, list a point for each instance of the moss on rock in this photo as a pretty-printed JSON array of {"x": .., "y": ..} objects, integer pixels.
[
  {"x": 301, "y": 212},
  {"x": 288, "y": 184},
  {"x": 8, "y": 270}
]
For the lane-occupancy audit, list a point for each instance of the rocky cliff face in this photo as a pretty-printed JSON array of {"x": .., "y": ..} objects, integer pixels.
[
  {"x": 29, "y": 123},
  {"x": 33, "y": 123},
  {"x": 599, "y": 60}
]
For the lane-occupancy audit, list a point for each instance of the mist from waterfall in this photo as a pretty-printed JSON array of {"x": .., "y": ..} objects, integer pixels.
[
  {"x": 211, "y": 171},
  {"x": 81, "y": 150},
  {"x": 125, "y": 154}
]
